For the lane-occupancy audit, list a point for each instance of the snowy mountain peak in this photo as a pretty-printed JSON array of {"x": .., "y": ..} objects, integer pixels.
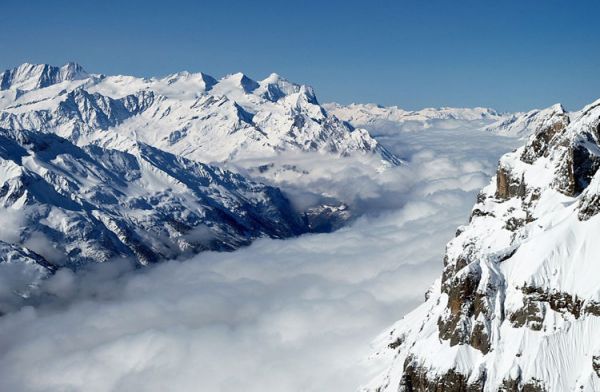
[
  {"x": 274, "y": 87},
  {"x": 188, "y": 114},
  {"x": 202, "y": 81},
  {"x": 72, "y": 71},
  {"x": 273, "y": 78},
  {"x": 33, "y": 76},
  {"x": 239, "y": 81}
]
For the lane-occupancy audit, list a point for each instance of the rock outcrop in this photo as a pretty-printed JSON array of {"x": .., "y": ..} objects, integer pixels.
[{"x": 516, "y": 308}]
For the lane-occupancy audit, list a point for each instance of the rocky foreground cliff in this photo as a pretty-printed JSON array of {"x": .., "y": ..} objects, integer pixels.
[{"x": 517, "y": 307}]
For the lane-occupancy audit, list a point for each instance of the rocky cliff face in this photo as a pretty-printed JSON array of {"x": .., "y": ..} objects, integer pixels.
[{"x": 517, "y": 306}]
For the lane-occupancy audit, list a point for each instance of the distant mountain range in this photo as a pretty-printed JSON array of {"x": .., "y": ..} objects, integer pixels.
[
  {"x": 191, "y": 115},
  {"x": 391, "y": 119}
]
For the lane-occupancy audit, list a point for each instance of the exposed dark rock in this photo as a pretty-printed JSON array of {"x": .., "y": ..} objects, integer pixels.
[
  {"x": 533, "y": 311},
  {"x": 539, "y": 145},
  {"x": 530, "y": 315},
  {"x": 533, "y": 385},
  {"x": 480, "y": 339},
  {"x": 507, "y": 186},
  {"x": 596, "y": 364},
  {"x": 396, "y": 343},
  {"x": 479, "y": 212},
  {"x": 326, "y": 218},
  {"x": 593, "y": 308},
  {"x": 416, "y": 379},
  {"x": 514, "y": 224},
  {"x": 575, "y": 170},
  {"x": 589, "y": 206},
  {"x": 510, "y": 385},
  {"x": 455, "y": 326}
]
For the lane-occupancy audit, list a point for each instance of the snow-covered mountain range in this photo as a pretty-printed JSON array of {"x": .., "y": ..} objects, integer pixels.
[
  {"x": 96, "y": 167},
  {"x": 192, "y": 115},
  {"x": 393, "y": 119},
  {"x": 517, "y": 307}
]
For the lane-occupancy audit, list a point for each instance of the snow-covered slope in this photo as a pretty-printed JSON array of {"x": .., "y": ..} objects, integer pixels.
[
  {"x": 518, "y": 305},
  {"x": 394, "y": 119}
]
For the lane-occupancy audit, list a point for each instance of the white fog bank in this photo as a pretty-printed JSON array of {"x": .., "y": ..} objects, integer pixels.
[{"x": 287, "y": 315}]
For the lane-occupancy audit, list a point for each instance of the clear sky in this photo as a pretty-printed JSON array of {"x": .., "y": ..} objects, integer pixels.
[{"x": 510, "y": 55}]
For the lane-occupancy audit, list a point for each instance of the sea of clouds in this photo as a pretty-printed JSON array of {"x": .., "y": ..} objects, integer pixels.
[{"x": 280, "y": 315}]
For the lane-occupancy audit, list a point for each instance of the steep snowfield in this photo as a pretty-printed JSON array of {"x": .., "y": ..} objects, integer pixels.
[{"x": 518, "y": 304}]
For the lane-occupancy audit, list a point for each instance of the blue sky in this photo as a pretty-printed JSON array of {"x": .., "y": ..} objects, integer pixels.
[{"x": 510, "y": 55}]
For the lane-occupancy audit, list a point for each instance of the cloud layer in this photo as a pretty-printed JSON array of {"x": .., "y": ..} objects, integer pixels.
[{"x": 288, "y": 315}]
